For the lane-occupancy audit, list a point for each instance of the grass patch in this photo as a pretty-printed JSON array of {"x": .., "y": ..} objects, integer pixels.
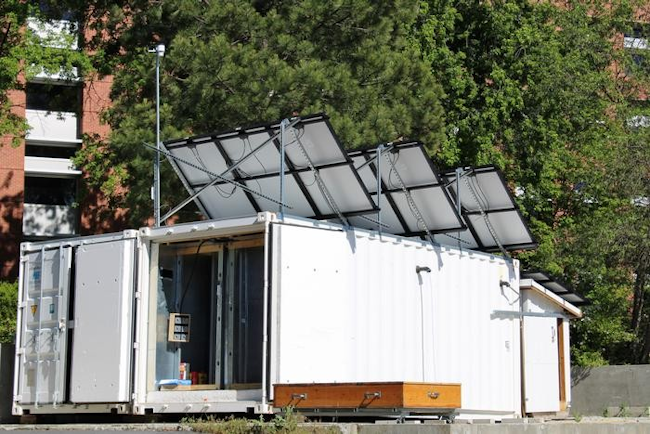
[{"x": 287, "y": 422}]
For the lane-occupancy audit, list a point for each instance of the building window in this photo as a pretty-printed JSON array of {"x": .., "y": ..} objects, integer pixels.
[
  {"x": 637, "y": 36},
  {"x": 53, "y": 10},
  {"x": 50, "y": 191},
  {"x": 53, "y": 97},
  {"x": 49, "y": 151}
]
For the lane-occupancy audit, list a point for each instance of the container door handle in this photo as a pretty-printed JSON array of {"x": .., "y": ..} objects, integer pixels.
[{"x": 372, "y": 395}]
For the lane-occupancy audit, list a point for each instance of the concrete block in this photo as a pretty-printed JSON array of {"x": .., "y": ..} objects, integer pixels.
[
  {"x": 608, "y": 389},
  {"x": 515, "y": 421},
  {"x": 484, "y": 421}
]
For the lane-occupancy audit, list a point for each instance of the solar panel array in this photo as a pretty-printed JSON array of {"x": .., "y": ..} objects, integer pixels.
[
  {"x": 311, "y": 142},
  {"x": 398, "y": 191}
]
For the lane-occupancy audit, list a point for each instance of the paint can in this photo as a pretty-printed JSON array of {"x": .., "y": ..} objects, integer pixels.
[{"x": 184, "y": 371}]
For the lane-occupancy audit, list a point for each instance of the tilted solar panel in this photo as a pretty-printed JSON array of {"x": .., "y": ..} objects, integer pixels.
[
  {"x": 239, "y": 171},
  {"x": 413, "y": 200},
  {"x": 489, "y": 211}
]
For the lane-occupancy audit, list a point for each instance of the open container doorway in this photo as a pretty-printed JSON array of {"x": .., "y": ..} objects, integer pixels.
[{"x": 218, "y": 284}]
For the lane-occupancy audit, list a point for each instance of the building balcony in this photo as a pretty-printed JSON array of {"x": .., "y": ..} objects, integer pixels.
[
  {"x": 62, "y": 75},
  {"x": 49, "y": 220},
  {"x": 636, "y": 43},
  {"x": 55, "y": 33},
  {"x": 48, "y": 126},
  {"x": 50, "y": 167}
]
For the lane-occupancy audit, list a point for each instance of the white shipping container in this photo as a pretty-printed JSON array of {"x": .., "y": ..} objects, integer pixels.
[{"x": 268, "y": 301}]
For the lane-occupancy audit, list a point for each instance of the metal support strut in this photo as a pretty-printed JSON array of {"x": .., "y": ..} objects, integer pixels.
[
  {"x": 219, "y": 177},
  {"x": 216, "y": 179},
  {"x": 380, "y": 148},
  {"x": 283, "y": 142}
]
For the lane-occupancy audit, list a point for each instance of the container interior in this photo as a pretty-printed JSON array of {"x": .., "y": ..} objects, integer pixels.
[{"x": 216, "y": 285}]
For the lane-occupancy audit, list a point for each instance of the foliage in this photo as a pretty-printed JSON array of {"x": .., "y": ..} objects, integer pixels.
[
  {"x": 239, "y": 62},
  {"x": 13, "y": 14},
  {"x": 546, "y": 93},
  {"x": 29, "y": 50},
  {"x": 8, "y": 307}
]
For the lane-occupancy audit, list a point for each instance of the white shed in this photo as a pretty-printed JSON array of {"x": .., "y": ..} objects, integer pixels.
[{"x": 546, "y": 358}]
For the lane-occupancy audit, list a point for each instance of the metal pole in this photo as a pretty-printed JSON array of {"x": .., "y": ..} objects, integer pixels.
[
  {"x": 458, "y": 204},
  {"x": 282, "y": 143},
  {"x": 378, "y": 156},
  {"x": 160, "y": 52}
]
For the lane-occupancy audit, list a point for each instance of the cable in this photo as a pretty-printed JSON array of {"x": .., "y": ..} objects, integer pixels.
[
  {"x": 392, "y": 170},
  {"x": 187, "y": 285},
  {"x": 481, "y": 196},
  {"x": 243, "y": 151},
  {"x": 196, "y": 154},
  {"x": 243, "y": 172},
  {"x": 254, "y": 154}
]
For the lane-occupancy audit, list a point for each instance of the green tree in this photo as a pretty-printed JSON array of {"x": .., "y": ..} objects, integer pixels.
[
  {"x": 544, "y": 92},
  {"x": 8, "y": 308},
  {"x": 236, "y": 62},
  {"x": 29, "y": 47},
  {"x": 12, "y": 18}
]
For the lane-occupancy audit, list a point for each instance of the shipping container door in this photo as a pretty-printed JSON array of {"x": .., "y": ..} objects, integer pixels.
[
  {"x": 541, "y": 365},
  {"x": 102, "y": 343},
  {"x": 43, "y": 342}
]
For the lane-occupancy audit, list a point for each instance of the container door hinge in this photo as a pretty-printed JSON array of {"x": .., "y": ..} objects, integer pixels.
[
  {"x": 71, "y": 324},
  {"x": 138, "y": 295},
  {"x": 22, "y": 305},
  {"x": 18, "y": 398},
  {"x": 20, "y": 351},
  {"x": 136, "y": 345}
]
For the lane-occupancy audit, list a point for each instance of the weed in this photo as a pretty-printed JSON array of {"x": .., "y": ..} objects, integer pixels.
[
  {"x": 623, "y": 411},
  {"x": 287, "y": 422}
]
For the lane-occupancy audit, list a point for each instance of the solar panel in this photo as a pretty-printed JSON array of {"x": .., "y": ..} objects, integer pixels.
[
  {"x": 413, "y": 199},
  {"x": 554, "y": 285},
  {"x": 237, "y": 172},
  {"x": 488, "y": 210}
]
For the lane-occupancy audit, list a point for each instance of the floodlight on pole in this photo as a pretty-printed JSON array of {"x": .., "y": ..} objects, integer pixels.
[{"x": 160, "y": 53}]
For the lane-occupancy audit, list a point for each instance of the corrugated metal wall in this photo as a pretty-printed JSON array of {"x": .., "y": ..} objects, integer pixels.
[{"x": 351, "y": 308}]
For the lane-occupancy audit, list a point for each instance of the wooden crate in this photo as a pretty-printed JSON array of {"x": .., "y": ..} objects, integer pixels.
[{"x": 368, "y": 395}]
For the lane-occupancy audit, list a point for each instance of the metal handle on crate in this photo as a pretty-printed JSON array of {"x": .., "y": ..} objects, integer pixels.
[
  {"x": 433, "y": 395},
  {"x": 372, "y": 395},
  {"x": 298, "y": 396}
]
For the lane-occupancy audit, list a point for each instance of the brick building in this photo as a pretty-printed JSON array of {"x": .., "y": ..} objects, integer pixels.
[{"x": 39, "y": 185}]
